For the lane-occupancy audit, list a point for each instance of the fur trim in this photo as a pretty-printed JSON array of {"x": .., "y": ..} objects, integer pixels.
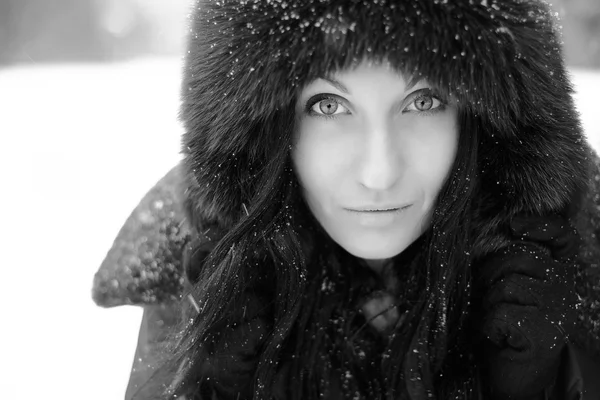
[{"x": 499, "y": 59}]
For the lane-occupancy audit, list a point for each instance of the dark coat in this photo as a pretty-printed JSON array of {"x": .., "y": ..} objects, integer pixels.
[
  {"x": 144, "y": 267},
  {"x": 501, "y": 62}
]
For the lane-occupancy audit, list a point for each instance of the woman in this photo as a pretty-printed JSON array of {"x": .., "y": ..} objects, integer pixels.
[{"x": 374, "y": 202}]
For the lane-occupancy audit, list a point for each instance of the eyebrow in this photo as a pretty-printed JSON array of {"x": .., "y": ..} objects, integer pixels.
[
  {"x": 338, "y": 85},
  {"x": 411, "y": 83}
]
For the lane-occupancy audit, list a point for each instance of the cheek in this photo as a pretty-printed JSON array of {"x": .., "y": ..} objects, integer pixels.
[
  {"x": 434, "y": 150},
  {"x": 314, "y": 182},
  {"x": 319, "y": 155}
]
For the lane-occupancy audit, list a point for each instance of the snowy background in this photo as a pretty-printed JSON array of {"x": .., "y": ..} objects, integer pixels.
[
  {"x": 80, "y": 144},
  {"x": 79, "y": 147}
]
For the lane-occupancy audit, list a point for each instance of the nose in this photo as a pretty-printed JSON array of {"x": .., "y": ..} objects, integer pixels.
[{"x": 380, "y": 164}]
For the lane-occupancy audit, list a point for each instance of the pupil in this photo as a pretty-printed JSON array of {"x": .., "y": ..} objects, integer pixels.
[{"x": 328, "y": 107}]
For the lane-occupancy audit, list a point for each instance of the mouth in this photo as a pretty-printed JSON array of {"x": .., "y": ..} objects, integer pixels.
[
  {"x": 378, "y": 217},
  {"x": 378, "y": 209}
]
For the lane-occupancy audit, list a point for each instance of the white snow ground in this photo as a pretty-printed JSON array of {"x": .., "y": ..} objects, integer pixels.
[{"x": 79, "y": 146}]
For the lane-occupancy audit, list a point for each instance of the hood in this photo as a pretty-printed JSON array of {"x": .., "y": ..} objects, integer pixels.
[{"x": 501, "y": 60}]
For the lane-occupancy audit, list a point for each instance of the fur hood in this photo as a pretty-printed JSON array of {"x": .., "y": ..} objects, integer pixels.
[
  {"x": 247, "y": 59},
  {"x": 500, "y": 59}
]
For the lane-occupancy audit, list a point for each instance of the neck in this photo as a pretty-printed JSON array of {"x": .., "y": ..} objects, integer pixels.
[{"x": 377, "y": 265}]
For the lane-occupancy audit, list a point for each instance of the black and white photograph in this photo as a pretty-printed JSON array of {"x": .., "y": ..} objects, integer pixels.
[{"x": 300, "y": 199}]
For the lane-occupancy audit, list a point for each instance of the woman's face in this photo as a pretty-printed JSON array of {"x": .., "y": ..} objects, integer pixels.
[{"x": 371, "y": 153}]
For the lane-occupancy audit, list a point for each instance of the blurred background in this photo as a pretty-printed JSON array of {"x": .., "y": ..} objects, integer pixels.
[
  {"x": 89, "y": 97},
  {"x": 110, "y": 30},
  {"x": 581, "y": 30},
  {"x": 89, "y": 30}
]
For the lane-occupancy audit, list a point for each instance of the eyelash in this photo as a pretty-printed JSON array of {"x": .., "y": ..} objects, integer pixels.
[
  {"x": 428, "y": 93},
  {"x": 414, "y": 96},
  {"x": 317, "y": 99}
]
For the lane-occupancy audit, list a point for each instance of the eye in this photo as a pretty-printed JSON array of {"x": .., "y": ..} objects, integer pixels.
[
  {"x": 425, "y": 101},
  {"x": 326, "y": 105}
]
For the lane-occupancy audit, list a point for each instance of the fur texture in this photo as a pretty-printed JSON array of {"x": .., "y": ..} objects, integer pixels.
[{"x": 500, "y": 60}]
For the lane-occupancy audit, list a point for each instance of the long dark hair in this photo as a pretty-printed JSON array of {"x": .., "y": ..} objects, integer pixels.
[
  {"x": 429, "y": 355},
  {"x": 426, "y": 356}
]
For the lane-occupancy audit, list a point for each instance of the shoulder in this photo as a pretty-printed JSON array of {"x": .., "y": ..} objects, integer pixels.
[{"x": 144, "y": 264}]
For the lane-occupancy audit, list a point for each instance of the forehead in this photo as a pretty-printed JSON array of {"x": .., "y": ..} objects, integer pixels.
[{"x": 364, "y": 68}]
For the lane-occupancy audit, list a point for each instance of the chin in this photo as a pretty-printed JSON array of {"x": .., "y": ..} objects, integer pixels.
[{"x": 374, "y": 250}]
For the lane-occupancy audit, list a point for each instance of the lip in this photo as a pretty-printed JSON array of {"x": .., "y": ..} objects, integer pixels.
[
  {"x": 378, "y": 209},
  {"x": 378, "y": 217}
]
